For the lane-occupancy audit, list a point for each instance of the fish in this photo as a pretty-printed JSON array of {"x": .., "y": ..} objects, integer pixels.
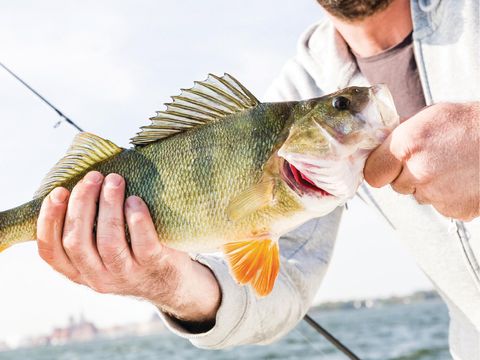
[{"x": 222, "y": 171}]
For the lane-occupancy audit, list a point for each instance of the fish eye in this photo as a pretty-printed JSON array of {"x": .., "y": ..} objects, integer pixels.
[{"x": 340, "y": 103}]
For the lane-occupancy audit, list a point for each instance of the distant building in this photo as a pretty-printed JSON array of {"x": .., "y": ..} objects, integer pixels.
[
  {"x": 76, "y": 331},
  {"x": 4, "y": 346},
  {"x": 82, "y": 330}
]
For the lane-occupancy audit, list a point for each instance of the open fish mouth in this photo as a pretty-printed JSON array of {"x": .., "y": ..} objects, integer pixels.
[{"x": 299, "y": 182}]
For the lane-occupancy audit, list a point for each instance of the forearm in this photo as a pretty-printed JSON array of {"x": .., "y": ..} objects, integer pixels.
[
  {"x": 193, "y": 281},
  {"x": 242, "y": 318}
]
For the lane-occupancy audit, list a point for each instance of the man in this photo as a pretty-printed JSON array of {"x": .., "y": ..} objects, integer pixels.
[{"x": 428, "y": 53}]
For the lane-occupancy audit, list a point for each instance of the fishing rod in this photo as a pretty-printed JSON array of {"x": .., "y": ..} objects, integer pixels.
[
  {"x": 308, "y": 319},
  {"x": 332, "y": 339},
  {"x": 62, "y": 115}
]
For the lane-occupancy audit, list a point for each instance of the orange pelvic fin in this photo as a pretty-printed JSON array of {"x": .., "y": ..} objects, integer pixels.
[{"x": 254, "y": 262}]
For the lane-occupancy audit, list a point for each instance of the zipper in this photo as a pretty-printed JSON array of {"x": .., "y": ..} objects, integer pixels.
[{"x": 464, "y": 237}]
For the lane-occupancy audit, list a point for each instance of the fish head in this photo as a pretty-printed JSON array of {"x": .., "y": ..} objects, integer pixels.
[{"x": 329, "y": 141}]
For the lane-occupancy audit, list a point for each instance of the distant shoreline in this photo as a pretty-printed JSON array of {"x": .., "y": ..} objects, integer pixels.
[
  {"x": 82, "y": 330},
  {"x": 415, "y": 297}
]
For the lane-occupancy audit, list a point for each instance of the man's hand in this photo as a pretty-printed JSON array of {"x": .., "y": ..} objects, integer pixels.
[
  {"x": 103, "y": 259},
  {"x": 434, "y": 155}
]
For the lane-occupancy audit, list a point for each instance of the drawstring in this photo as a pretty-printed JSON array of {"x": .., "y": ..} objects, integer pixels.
[{"x": 428, "y": 5}]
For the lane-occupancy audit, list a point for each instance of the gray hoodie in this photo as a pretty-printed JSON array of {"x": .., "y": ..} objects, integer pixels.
[{"x": 447, "y": 50}]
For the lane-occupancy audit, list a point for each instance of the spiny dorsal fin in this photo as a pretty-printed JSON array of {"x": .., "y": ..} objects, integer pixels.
[
  {"x": 207, "y": 101},
  {"x": 86, "y": 150}
]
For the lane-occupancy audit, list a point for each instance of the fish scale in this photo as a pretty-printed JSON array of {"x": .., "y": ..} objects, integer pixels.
[{"x": 210, "y": 172}]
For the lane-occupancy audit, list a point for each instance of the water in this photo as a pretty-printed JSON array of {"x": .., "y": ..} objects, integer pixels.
[{"x": 395, "y": 332}]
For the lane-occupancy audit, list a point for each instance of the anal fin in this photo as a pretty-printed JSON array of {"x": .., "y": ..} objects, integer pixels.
[{"x": 255, "y": 262}]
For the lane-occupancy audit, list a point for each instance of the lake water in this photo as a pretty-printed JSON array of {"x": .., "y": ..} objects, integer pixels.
[{"x": 395, "y": 332}]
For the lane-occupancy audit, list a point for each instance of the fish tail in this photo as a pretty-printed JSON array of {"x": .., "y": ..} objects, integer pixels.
[{"x": 19, "y": 224}]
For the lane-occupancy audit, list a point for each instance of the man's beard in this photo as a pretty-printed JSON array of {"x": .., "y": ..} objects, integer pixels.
[{"x": 354, "y": 9}]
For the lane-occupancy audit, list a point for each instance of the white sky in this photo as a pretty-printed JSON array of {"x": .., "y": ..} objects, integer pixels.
[{"x": 109, "y": 65}]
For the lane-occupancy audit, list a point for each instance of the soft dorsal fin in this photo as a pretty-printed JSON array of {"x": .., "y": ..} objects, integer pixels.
[
  {"x": 86, "y": 150},
  {"x": 208, "y": 100}
]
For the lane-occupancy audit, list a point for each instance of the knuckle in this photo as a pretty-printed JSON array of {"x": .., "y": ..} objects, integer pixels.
[
  {"x": 115, "y": 225},
  {"x": 72, "y": 243},
  {"x": 100, "y": 288},
  {"x": 137, "y": 219},
  {"x": 446, "y": 212},
  {"x": 371, "y": 177},
  {"x": 421, "y": 199},
  {"x": 114, "y": 258},
  {"x": 421, "y": 169},
  {"x": 375, "y": 184},
  {"x": 152, "y": 255},
  {"x": 49, "y": 212},
  {"x": 73, "y": 224},
  {"x": 401, "y": 143},
  {"x": 467, "y": 218},
  {"x": 46, "y": 252},
  {"x": 74, "y": 277},
  {"x": 401, "y": 189},
  {"x": 106, "y": 286},
  {"x": 424, "y": 195},
  {"x": 48, "y": 215},
  {"x": 409, "y": 143},
  {"x": 82, "y": 192},
  {"x": 75, "y": 280},
  {"x": 422, "y": 132}
]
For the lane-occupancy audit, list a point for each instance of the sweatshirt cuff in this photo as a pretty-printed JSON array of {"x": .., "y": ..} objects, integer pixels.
[{"x": 230, "y": 315}]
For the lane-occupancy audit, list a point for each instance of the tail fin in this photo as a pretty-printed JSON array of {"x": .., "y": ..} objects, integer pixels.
[{"x": 19, "y": 224}]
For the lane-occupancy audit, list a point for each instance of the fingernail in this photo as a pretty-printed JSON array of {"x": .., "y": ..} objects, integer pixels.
[
  {"x": 58, "y": 195},
  {"x": 93, "y": 177},
  {"x": 134, "y": 202},
  {"x": 113, "y": 180}
]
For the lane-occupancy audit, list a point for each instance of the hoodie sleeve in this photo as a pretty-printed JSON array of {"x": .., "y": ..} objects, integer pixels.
[
  {"x": 305, "y": 254},
  {"x": 245, "y": 319}
]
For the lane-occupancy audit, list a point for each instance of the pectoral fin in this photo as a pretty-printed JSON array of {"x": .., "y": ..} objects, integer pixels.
[
  {"x": 251, "y": 200},
  {"x": 254, "y": 262}
]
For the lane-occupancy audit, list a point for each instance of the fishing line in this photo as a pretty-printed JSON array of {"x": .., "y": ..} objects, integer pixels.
[
  {"x": 334, "y": 341},
  {"x": 65, "y": 118}
]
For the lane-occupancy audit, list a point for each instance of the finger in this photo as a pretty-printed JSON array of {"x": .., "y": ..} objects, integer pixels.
[
  {"x": 78, "y": 239},
  {"x": 143, "y": 235},
  {"x": 421, "y": 197},
  {"x": 111, "y": 241},
  {"x": 457, "y": 213},
  {"x": 382, "y": 167},
  {"x": 50, "y": 230},
  {"x": 405, "y": 182}
]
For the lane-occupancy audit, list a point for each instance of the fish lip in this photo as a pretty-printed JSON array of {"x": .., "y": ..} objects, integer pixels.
[{"x": 301, "y": 188}]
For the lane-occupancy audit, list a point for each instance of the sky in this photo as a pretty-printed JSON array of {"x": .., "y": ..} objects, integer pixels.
[{"x": 110, "y": 65}]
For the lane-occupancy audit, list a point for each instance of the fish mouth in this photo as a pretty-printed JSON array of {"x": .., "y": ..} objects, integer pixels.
[{"x": 299, "y": 182}]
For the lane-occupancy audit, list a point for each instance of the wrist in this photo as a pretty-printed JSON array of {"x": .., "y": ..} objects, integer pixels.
[{"x": 195, "y": 297}]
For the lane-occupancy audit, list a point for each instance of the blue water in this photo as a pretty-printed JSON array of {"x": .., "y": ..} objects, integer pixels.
[{"x": 396, "y": 332}]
